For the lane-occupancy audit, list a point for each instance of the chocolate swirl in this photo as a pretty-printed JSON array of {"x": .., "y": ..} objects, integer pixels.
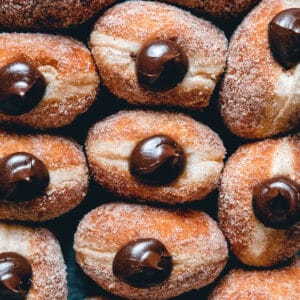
[
  {"x": 22, "y": 87},
  {"x": 22, "y": 177},
  {"x": 143, "y": 263}
]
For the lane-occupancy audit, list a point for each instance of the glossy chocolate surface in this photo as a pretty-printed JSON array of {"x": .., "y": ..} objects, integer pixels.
[
  {"x": 143, "y": 263},
  {"x": 157, "y": 160},
  {"x": 284, "y": 37},
  {"x": 15, "y": 276},
  {"x": 276, "y": 202},
  {"x": 22, "y": 177},
  {"x": 22, "y": 87},
  {"x": 161, "y": 65}
]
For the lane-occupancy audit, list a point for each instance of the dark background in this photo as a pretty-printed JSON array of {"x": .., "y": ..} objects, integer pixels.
[{"x": 64, "y": 227}]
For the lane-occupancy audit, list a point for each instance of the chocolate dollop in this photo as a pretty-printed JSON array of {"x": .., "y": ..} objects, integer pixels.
[
  {"x": 143, "y": 263},
  {"x": 276, "y": 202},
  {"x": 22, "y": 87},
  {"x": 284, "y": 37},
  {"x": 22, "y": 177},
  {"x": 161, "y": 65},
  {"x": 157, "y": 160},
  {"x": 15, "y": 276}
]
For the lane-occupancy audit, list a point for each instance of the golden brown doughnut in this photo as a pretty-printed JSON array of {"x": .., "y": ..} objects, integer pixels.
[
  {"x": 36, "y": 14},
  {"x": 42, "y": 251},
  {"x": 197, "y": 246},
  {"x": 110, "y": 144},
  {"x": 223, "y": 9},
  {"x": 69, "y": 72},
  {"x": 252, "y": 239},
  {"x": 259, "y": 97},
  {"x": 68, "y": 174},
  {"x": 119, "y": 36},
  {"x": 276, "y": 284}
]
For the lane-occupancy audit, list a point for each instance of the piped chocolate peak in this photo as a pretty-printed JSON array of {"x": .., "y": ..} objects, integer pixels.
[
  {"x": 143, "y": 263},
  {"x": 22, "y": 177},
  {"x": 161, "y": 65},
  {"x": 22, "y": 87},
  {"x": 276, "y": 202},
  {"x": 157, "y": 160},
  {"x": 15, "y": 276},
  {"x": 284, "y": 37}
]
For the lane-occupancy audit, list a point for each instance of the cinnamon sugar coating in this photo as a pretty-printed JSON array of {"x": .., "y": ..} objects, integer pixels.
[
  {"x": 43, "y": 252},
  {"x": 221, "y": 9},
  {"x": 121, "y": 32},
  {"x": 250, "y": 241},
  {"x": 69, "y": 71},
  {"x": 68, "y": 172},
  {"x": 198, "y": 247},
  {"x": 259, "y": 98},
  {"x": 36, "y": 14},
  {"x": 282, "y": 283},
  {"x": 110, "y": 143}
]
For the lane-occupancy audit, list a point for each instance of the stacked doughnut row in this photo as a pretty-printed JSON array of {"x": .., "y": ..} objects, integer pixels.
[{"x": 159, "y": 63}]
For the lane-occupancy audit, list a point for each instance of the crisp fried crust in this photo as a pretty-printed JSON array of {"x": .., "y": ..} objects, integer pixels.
[
  {"x": 259, "y": 98},
  {"x": 121, "y": 32},
  {"x": 221, "y": 9},
  {"x": 68, "y": 68},
  {"x": 36, "y": 14},
  {"x": 111, "y": 141},
  {"x": 68, "y": 176},
  {"x": 43, "y": 252},
  {"x": 198, "y": 247},
  {"x": 282, "y": 283},
  {"x": 252, "y": 242}
]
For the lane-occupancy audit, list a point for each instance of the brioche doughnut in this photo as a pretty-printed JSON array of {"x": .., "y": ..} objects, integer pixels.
[
  {"x": 42, "y": 251},
  {"x": 283, "y": 283},
  {"x": 193, "y": 241},
  {"x": 260, "y": 97},
  {"x": 188, "y": 174},
  {"x": 224, "y": 9},
  {"x": 259, "y": 203},
  {"x": 188, "y": 54},
  {"x": 70, "y": 79},
  {"x": 35, "y": 14},
  {"x": 68, "y": 177}
]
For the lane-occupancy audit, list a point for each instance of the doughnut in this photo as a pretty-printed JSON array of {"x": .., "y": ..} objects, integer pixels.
[
  {"x": 31, "y": 264},
  {"x": 36, "y": 14},
  {"x": 282, "y": 283},
  {"x": 41, "y": 176},
  {"x": 155, "y": 156},
  {"x": 224, "y": 9},
  {"x": 141, "y": 252},
  {"x": 152, "y": 53},
  {"x": 259, "y": 97},
  {"x": 46, "y": 80},
  {"x": 259, "y": 201}
]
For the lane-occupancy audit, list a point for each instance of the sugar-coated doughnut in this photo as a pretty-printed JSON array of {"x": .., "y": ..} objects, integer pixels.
[
  {"x": 182, "y": 163},
  {"x": 38, "y": 248},
  {"x": 260, "y": 94},
  {"x": 43, "y": 186},
  {"x": 195, "y": 248},
  {"x": 36, "y": 14},
  {"x": 222, "y": 9},
  {"x": 276, "y": 284},
  {"x": 155, "y": 54},
  {"x": 259, "y": 203},
  {"x": 57, "y": 70}
]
